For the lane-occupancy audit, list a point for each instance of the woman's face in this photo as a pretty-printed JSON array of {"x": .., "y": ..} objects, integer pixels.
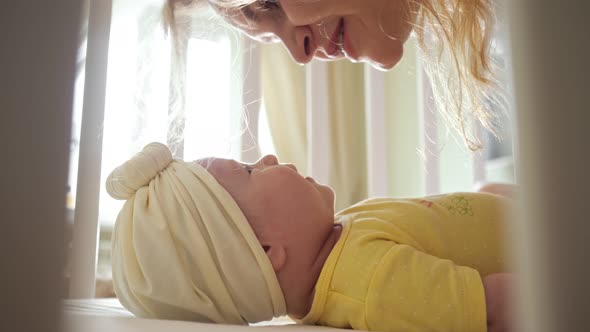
[{"x": 372, "y": 31}]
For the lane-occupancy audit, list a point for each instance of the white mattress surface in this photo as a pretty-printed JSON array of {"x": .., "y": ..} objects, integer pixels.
[
  {"x": 99, "y": 307},
  {"x": 100, "y": 315}
]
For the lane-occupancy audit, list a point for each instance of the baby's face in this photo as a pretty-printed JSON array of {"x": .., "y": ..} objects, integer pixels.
[{"x": 275, "y": 196}]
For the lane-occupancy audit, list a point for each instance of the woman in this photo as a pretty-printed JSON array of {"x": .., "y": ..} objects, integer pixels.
[{"x": 455, "y": 36}]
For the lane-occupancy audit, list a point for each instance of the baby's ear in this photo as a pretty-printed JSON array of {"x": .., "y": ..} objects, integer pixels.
[{"x": 277, "y": 256}]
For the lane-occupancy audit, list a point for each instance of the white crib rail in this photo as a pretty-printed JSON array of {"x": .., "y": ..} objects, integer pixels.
[
  {"x": 551, "y": 75},
  {"x": 85, "y": 235},
  {"x": 37, "y": 66}
]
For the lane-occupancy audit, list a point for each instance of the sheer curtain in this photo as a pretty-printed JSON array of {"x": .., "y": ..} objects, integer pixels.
[
  {"x": 415, "y": 134},
  {"x": 284, "y": 93},
  {"x": 284, "y": 98},
  {"x": 140, "y": 93},
  {"x": 141, "y": 105}
]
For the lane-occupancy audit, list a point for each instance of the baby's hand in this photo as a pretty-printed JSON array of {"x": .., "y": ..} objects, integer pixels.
[
  {"x": 498, "y": 292},
  {"x": 503, "y": 189}
]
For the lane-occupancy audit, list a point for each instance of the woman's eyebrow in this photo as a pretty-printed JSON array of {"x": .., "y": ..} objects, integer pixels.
[{"x": 250, "y": 14}]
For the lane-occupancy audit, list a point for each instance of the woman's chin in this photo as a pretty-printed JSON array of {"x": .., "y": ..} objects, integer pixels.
[
  {"x": 388, "y": 60},
  {"x": 386, "y": 64}
]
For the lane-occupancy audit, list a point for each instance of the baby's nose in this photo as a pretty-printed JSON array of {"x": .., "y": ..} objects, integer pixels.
[
  {"x": 291, "y": 166},
  {"x": 268, "y": 160}
]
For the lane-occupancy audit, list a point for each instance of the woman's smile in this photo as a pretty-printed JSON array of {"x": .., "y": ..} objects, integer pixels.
[{"x": 330, "y": 29}]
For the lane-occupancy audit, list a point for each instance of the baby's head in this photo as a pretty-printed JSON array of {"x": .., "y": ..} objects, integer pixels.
[{"x": 214, "y": 240}]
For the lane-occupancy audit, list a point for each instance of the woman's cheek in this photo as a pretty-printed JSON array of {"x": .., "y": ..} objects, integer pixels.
[{"x": 303, "y": 12}]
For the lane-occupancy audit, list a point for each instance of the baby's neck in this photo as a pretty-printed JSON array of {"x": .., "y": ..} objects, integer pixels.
[
  {"x": 318, "y": 265},
  {"x": 326, "y": 249}
]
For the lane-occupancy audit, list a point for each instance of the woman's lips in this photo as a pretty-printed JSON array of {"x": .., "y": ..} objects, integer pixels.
[
  {"x": 347, "y": 48},
  {"x": 333, "y": 49},
  {"x": 339, "y": 45}
]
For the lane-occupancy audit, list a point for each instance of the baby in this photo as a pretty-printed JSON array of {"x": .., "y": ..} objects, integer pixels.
[{"x": 217, "y": 240}]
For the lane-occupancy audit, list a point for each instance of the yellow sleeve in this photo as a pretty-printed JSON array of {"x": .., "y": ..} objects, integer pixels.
[{"x": 414, "y": 291}]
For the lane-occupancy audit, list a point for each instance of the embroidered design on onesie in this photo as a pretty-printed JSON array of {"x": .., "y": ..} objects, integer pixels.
[
  {"x": 459, "y": 205},
  {"x": 426, "y": 203}
]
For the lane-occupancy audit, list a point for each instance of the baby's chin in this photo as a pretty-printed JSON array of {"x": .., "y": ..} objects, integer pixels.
[{"x": 328, "y": 192}]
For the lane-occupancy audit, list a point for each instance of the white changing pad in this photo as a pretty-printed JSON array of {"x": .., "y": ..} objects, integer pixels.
[{"x": 100, "y": 315}]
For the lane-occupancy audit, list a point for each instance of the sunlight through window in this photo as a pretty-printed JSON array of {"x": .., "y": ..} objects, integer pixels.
[{"x": 208, "y": 123}]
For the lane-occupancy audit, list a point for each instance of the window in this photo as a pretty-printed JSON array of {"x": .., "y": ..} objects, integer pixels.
[
  {"x": 138, "y": 98},
  {"x": 495, "y": 162}
]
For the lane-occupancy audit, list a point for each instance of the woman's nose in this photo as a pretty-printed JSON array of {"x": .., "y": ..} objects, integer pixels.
[{"x": 301, "y": 44}]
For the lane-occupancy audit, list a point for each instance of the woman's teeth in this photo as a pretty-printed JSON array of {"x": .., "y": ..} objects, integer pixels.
[{"x": 341, "y": 39}]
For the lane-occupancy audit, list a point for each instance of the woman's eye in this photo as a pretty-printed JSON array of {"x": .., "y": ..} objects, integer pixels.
[{"x": 269, "y": 4}]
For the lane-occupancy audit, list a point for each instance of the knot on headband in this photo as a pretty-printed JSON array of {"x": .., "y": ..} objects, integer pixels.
[{"x": 137, "y": 172}]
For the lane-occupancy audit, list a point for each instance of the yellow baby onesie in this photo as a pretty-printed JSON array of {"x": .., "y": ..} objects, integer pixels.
[{"x": 412, "y": 264}]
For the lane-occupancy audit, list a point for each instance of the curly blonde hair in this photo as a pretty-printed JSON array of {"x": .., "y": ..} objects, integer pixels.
[{"x": 456, "y": 39}]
